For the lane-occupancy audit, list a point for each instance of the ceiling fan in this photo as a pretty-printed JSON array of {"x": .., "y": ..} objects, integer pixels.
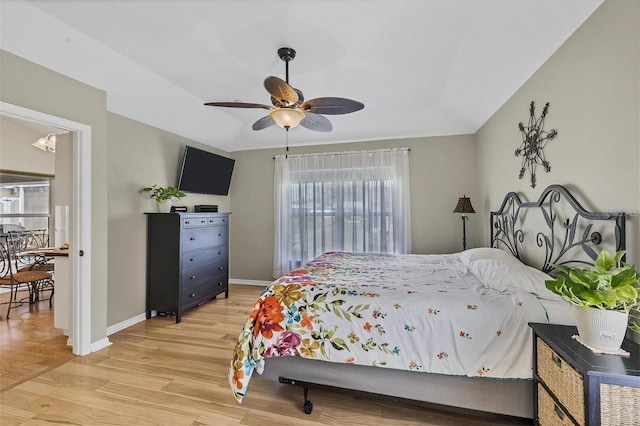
[{"x": 289, "y": 107}]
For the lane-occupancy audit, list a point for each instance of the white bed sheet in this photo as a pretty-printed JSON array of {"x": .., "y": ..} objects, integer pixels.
[{"x": 408, "y": 312}]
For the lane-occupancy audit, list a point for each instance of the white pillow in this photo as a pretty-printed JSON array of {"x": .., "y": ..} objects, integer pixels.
[
  {"x": 504, "y": 274},
  {"x": 470, "y": 255}
]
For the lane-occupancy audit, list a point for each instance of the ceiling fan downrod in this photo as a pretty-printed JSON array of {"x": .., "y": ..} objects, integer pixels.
[{"x": 286, "y": 54}]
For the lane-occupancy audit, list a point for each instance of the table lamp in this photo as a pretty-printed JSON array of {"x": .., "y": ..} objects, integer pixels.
[{"x": 464, "y": 206}]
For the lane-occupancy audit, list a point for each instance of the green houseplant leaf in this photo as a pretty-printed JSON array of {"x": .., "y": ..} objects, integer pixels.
[
  {"x": 161, "y": 194},
  {"x": 609, "y": 284}
]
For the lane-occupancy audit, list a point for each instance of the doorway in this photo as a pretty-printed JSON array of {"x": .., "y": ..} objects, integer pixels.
[{"x": 79, "y": 331}]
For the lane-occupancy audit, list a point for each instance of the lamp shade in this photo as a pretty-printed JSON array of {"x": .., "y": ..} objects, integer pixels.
[
  {"x": 287, "y": 118},
  {"x": 464, "y": 206}
]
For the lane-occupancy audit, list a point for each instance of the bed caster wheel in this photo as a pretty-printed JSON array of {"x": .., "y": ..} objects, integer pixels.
[{"x": 308, "y": 407}]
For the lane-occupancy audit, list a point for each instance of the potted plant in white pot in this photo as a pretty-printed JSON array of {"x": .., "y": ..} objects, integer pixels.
[
  {"x": 164, "y": 196},
  {"x": 604, "y": 296}
]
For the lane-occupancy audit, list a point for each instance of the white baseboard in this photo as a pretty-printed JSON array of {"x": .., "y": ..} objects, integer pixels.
[
  {"x": 100, "y": 344},
  {"x": 249, "y": 282},
  {"x": 126, "y": 323},
  {"x": 143, "y": 317}
]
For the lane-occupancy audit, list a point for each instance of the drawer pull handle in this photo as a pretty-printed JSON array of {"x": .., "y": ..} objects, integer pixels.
[
  {"x": 556, "y": 359},
  {"x": 192, "y": 238},
  {"x": 186, "y": 222},
  {"x": 193, "y": 277},
  {"x": 558, "y": 411},
  {"x": 219, "y": 252},
  {"x": 192, "y": 295},
  {"x": 219, "y": 235}
]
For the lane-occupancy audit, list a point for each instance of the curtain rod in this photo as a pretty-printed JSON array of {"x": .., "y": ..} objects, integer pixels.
[{"x": 343, "y": 152}]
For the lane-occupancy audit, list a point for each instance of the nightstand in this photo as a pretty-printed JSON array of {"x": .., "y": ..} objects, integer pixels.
[{"x": 574, "y": 386}]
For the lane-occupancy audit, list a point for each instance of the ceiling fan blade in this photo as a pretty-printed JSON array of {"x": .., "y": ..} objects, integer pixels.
[
  {"x": 263, "y": 123},
  {"x": 316, "y": 122},
  {"x": 331, "y": 106},
  {"x": 281, "y": 90},
  {"x": 238, "y": 105}
]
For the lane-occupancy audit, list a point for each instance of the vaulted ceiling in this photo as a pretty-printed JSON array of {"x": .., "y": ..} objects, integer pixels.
[{"x": 421, "y": 67}]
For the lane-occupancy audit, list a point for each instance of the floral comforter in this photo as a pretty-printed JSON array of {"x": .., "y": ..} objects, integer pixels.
[{"x": 409, "y": 312}]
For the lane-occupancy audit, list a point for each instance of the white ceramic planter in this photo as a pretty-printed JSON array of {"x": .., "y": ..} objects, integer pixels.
[
  {"x": 164, "y": 207},
  {"x": 601, "y": 329}
]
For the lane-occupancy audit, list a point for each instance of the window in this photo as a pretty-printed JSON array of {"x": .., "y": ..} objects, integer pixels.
[
  {"x": 354, "y": 201},
  {"x": 24, "y": 202}
]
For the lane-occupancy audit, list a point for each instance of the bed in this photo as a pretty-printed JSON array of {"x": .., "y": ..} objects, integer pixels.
[{"x": 448, "y": 329}]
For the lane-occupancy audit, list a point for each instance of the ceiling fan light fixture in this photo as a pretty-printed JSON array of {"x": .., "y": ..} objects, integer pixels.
[{"x": 287, "y": 118}]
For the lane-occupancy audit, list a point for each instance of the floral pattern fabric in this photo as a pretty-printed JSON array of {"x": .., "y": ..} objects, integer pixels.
[{"x": 423, "y": 313}]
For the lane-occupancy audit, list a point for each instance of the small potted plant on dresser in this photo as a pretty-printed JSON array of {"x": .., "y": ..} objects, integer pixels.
[
  {"x": 606, "y": 299},
  {"x": 164, "y": 196}
]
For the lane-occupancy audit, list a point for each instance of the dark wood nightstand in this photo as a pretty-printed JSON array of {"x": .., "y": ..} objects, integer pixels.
[{"x": 572, "y": 385}]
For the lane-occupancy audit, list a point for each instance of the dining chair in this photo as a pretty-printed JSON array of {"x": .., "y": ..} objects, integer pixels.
[
  {"x": 15, "y": 281},
  {"x": 24, "y": 246},
  {"x": 24, "y": 243}
]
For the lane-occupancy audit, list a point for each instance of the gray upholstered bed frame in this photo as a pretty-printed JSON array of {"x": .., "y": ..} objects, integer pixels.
[{"x": 561, "y": 232}]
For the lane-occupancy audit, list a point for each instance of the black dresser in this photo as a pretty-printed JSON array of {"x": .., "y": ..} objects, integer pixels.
[
  {"x": 574, "y": 386},
  {"x": 187, "y": 260}
]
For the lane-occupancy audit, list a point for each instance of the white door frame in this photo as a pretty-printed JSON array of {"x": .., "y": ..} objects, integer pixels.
[{"x": 80, "y": 258}]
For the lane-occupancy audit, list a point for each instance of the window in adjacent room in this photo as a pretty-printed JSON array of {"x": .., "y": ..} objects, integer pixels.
[
  {"x": 25, "y": 202},
  {"x": 351, "y": 201}
]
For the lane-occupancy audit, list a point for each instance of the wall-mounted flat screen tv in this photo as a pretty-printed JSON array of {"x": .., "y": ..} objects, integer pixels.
[{"x": 203, "y": 172}]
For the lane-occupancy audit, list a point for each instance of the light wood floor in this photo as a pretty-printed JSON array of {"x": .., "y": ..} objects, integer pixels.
[{"x": 158, "y": 372}]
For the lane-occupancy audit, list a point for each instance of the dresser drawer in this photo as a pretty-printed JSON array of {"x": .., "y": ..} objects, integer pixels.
[
  {"x": 194, "y": 238},
  {"x": 196, "y": 276},
  {"x": 563, "y": 381},
  {"x": 549, "y": 412},
  {"x": 194, "y": 295},
  {"x": 197, "y": 258},
  {"x": 217, "y": 221},
  {"x": 193, "y": 222}
]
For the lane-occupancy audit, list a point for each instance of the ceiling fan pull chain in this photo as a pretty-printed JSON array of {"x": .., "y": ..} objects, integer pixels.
[{"x": 286, "y": 143}]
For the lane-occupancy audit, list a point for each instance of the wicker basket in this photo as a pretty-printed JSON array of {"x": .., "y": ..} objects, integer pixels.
[
  {"x": 619, "y": 405},
  {"x": 564, "y": 382},
  {"x": 550, "y": 413}
]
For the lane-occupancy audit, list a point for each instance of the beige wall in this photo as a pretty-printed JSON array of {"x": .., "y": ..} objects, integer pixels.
[
  {"x": 139, "y": 155},
  {"x": 34, "y": 87},
  {"x": 592, "y": 83},
  {"x": 17, "y": 153},
  {"x": 441, "y": 170}
]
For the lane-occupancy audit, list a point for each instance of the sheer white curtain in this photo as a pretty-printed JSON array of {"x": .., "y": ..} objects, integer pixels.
[{"x": 353, "y": 201}]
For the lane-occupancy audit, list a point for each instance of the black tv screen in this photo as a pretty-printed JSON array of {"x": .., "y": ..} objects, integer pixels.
[{"x": 203, "y": 172}]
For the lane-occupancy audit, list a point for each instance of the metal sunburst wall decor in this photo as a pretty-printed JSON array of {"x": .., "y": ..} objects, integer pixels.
[{"x": 534, "y": 140}]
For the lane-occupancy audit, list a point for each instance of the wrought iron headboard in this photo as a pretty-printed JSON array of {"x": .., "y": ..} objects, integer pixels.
[{"x": 563, "y": 232}]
